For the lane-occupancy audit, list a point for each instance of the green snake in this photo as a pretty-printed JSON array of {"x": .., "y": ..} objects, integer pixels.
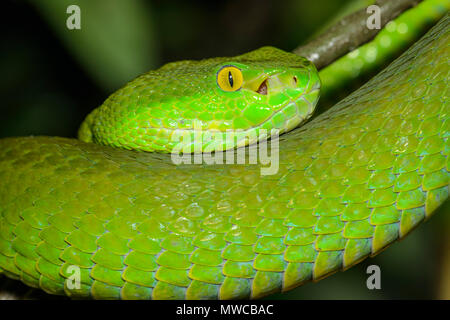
[{"x": 136, "y": 226}]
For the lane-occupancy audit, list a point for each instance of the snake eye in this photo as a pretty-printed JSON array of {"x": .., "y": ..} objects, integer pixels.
[{"x": 229, "y": 78}]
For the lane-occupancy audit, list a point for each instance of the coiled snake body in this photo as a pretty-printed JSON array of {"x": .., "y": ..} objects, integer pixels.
[{"x": 137, "y": 226}]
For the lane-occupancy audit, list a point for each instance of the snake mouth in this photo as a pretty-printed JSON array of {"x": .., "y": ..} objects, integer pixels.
[{"x": 300, "y": 110}]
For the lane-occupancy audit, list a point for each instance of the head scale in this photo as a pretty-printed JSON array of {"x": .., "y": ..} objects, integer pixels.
[{"x": 227, "y": 102}]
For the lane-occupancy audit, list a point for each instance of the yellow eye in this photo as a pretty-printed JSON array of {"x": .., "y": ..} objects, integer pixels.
[{"x": 229, "y": 78}]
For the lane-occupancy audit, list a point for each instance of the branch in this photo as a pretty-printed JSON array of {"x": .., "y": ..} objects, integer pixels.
[{"x": 350, "y": 33}]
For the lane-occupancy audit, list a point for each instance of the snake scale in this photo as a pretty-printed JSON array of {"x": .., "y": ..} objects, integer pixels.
[{"x": 136, "y": 226}]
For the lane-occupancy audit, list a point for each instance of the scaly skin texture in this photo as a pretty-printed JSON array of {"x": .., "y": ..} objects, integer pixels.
[
  {"x": 184, "y": 97},
  {"x": 349, "y": 183}
]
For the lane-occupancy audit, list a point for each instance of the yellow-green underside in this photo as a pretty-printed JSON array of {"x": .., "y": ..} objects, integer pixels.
[{"x": 350, "y": 182}]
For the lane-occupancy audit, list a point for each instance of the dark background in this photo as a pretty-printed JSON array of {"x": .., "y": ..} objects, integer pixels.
[{"x": 52, "y": 77}]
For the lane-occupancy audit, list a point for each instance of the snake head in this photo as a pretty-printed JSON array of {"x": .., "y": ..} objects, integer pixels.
[{"x": 208, "y": 105}]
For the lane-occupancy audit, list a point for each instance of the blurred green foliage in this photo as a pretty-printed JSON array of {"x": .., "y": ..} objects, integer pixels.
[
  {"x": 116, "y": 41},
  {"x": 52, "y": 77}
]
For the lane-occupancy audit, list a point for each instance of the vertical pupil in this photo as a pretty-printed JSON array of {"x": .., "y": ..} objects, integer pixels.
[{"x": 230, "y": 78}]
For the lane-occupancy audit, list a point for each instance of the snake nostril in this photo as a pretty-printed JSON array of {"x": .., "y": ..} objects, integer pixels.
[
  {"x": 262, "y": 88},
  {"x": 295, "y": 80}
]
